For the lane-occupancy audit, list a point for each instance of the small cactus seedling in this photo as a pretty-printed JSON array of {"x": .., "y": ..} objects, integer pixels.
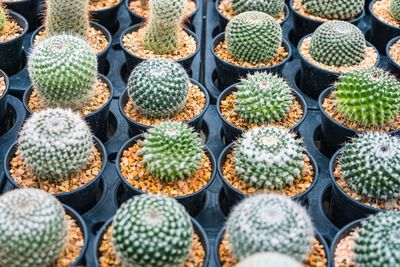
[
  {"x": 268, "y": 157},
  {"x": 338, "y": 9},
  {"x": 262, "y": 98},
  {"x": 338, "y": 43},
  {"x": 253, "y": 37},
  {"x": 370, "y": 164},
  {"x": 265, "y": 259},
  {"x": 3, "y": 17},
  {"x": 394, "y": 9},
  {"x": 269, "y": 223},
  {"x": 158, "y": 88},
  {"x": 152, "y": 231},
  {"x": 368, "y": 97},
  {"x": 33, "y": 229},
  {"x": 171, "y": 151},
  {"x": 271, "y": 7},
  {"x": 55, "y": 144}
]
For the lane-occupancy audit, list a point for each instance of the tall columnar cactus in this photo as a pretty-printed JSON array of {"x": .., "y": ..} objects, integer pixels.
[
  {"x": 63, "y": 69},
  {"x": 271, "y": 7},
  {"x": 338, "y": 9},
  {"x": 394, "y": 9},
  {"x": 158, "y": 88},
  {"x": 171, "y": 151},
  {"x": 369, "y": 96},
  {"x": 269, "y": 223},
  {"x": 338, "y": 43},
  {"x": 264, "y": 259},
  {"x": 3, "y": 17},
  {"x": 152, "y": 231},
  {"x": 378, "y": 243},
  {"x": 55, "y": 144},
  {"x": 371, "y": 165},
  {"x": 262, "y": 98},
  {"x": 253, "y": 36},
  {"x": 33, "y": 229},
  {"x": 163, "y": 28},
  {"x": 268, "y": 157}
]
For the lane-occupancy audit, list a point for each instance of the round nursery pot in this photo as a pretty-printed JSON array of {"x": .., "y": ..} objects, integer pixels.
[
  {"x": 136, "y": 128},
  {"x": 231, "y": 132},
  {"x": 229, "y": 74},
  {"x": 193, "y": 202},
  {"x": 27, "y": 8},
  {"x": 107, "y": 16},
  {"x": 81, "y": 199},
  {"x": 133, "y": 60},
  {"x": 394, "y": 66},
  {"x": 3, "y": 98}
]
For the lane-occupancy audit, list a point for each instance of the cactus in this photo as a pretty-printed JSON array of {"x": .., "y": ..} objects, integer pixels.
[
  {"x": 171, "y": 151},
  {"x": 55, "y": 144},
  {"x": 394, "y": 9},
  {"x": 268, "y": 157},
  {"x": 370, "y": 164},
  {"x": 152, "y": 231},
  {"x": 378, "y": 242},
  {"x": 269, "y": 223},
  {"x": 63, "y": 70},
  {"x": 271, "y": 7},
  {"x": 263, "y": 98},
  {"x": 368, "y": 97},
  {"x": 253, "y": 37},
  {"x": 158, "y": 88},
  {"x": 3, "y": 17},
  {"x": 338, "y": 9},
  {"x": 272, "y": 259},
  {"x": 164, "y": 25},
  {"x": 33, "y": 229}
]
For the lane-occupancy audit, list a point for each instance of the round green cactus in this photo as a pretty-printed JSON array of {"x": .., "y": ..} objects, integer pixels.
[
  {"x": 55, "y": 144},
  {"x": 271, "y": 7},
  {"x": 268, "y": 157},
  {"x": 273, "y": 259},
  {"x": 152, "y": 231},
  {"x": 253, "y": 37},
  {"x": 394, "y": 9},
  {"x": 378, "y": 243},
  {"x": 370, "y": 164},
  {"x": 3, "y": 17},
  {"x": 262, "y": 98},
  {"x": 368, "y": 97},
  {"x": 63, "y": 70},
  {"x": 33, "y": 229},
  {"x": 158, "y": 88},
  {"x": 338, "y": 9},
  {"x": 338, "y": 43},
  {"x": 171, "y": 151},
  {"x": 269, "y": 223}
]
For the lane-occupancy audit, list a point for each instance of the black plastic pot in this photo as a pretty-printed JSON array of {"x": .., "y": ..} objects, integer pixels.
[
  {"x": 136, "y": 128},
  {"x": 231, "y": 132},
  {"x": 81, "y": 199},
  {"x": 394, "y": 66},
  {"x": 229, "y": 74},
  {"x": 3, "y": 98},
  {"x": 192, "y": 202},
  {"x": 29, "y": 9},
  {"x": 107, "y": 17}
]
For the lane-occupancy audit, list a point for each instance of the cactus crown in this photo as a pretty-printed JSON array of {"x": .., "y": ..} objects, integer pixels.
[
  {"x": 3, "y": 17},
  {"x": 264, "y": 259},
  {"x": 158, "y": 88},
  {"x": 268, "y": 157},
  {"x": 370, "y": 164},
  {"x": 338, "y": 43},
  {"x": 162, "y": 31},
  {"x": 33, "y": 230},
  {"x": 55, "y": 144},
  {"x": 378, "y": 243},
  {"x": 271, "y": 7},
  {"x": 269, "y": 223},
  {"x": 368, "y": 96},
  {"x": 253, "y": 37},
  {"x": 394, "y": 9},
  {"x": 63, "y": 70},
  {"x": 161, "y": 228},
  {"x": 171, "y": 151},
  {"x": 262, "y": 98},
  {"x": 338, "y": 9}
]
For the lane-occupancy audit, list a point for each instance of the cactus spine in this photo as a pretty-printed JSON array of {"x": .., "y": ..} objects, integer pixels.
[
  {"x": 264, "y": 259},
  {"x": 338, "y": 9},
  {"x": 271, "y": 7}
]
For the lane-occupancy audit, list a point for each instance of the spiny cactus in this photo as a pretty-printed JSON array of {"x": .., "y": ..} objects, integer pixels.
[
  {"x": 394, "y": 9},
  {"x": 162, "y": 31},
  {"x": 253, "y": 37},
  {"x": 368, "y": 96},
  {"x": 264, "y": 259},
  {"x": 263, "y": 97},
  {"x": 269, "y": 223},
  {"x": 3, "y": 17},
  {"x": 268, "y": 157},
  {"x": 152, "y": 231},
  {"x": 158, "y": 88},
  {"x": 55, "y": 144},
  {"x": 338, "y": 9},
  {"x": 338, "y": 43},
  {"x": 33, "y": 229},
  {"x": 271, "y": 7},
  {"x": 371, "y": 165},
  {"x": 378, "y": 243},
  {"x": 63, "y": 69}
]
